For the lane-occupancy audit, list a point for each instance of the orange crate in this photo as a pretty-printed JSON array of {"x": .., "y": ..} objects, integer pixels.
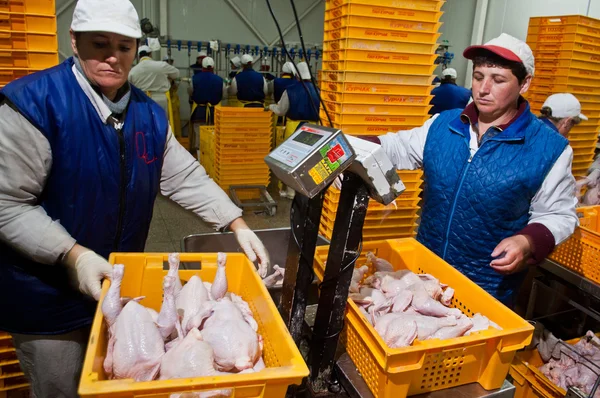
[
  {"x": 351, "y": 32},
  {"x": 378, "y": 45},
  {"x": 335, "y": 54},
  {"x": 568, "y": 54},
  {"x": 27, "y": 22},
  {"x": 372, "y": 99},
  {"x": 381, "y": 89},
  {"x": 377, "y": 233},
  {"x": 576, "y": 135},
  {"x": 375, "y": 78},
  {"x": 589, "y": 217},
  {"x": 143, "y": 277},
  {"x": 483, "y": 357},
  {"x": 246, "y": 147},
  {"x": 382, "y": 23},
  {"x": 586, "y": 129},
  {"x": 376, "y": 114},
  {"x": 563, "y": 29},
  {"x": 566, "y": 63},
  {"x": 385, "y": 223},
  {"x": 581, "y": 252},
  {"x": 375, "y": 212},
  {"x": 569, "y": 46},
  {"x": 565, "y": 20},
  {"x": 584, "y": 157},
  {"x": 27, "y": 59},
  {"x": 560, "y": 37},
  {"x": 235, "y": 112},
  {"x": 377, "y": 67},
  {"x": 566, "y": 88},
  {"x": 366, "y": 9},
  {"x": 576, "y": 143},
  {"x": 429, "y": 5},
  {"x": 8, "y": 75},
  {"x": 45, "y": 7},
  {"x": 545, "y": 80},
  {"x": 368, "y": 129},
  {"x": 28, "y": 41},
  {"x": 332, "y": 196}
]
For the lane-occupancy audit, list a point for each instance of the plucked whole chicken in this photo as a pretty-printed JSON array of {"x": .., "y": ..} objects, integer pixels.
[
  {"x": 577, "y": 366},
  {"x": 403, "y": 306},
  {"x": 201, "y": 330}
]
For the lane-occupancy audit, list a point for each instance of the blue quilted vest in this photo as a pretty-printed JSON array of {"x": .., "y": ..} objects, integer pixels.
[
  {"x": 280, "y": 85},
  {"x": 101, "y": 187},
  {"x": 208, "y": 88},
  {"x": 471, "y": 204},
  {"x": 300, "y": 107},
  {"x": 250, "y": 85}
]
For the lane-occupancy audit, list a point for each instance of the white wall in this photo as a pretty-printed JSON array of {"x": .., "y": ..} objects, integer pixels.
[
  {"x": 512, "y": 16},
  {"x": 457, "y": 28}
]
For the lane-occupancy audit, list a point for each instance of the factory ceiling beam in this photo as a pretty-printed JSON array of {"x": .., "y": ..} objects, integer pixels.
[
  {"x": 248, "y": 23},
  {"x": 293, "y": 24}
]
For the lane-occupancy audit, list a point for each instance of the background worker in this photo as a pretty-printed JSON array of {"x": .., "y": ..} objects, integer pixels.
[
  {"x": 153, "y": 77},
  {"x": 97, "y": 153},
  {"x": 168, "y": 60},
  {"x": 235, "y": 64},
  {"x": 248, "y": 85},
  {"x": 562, "y": 112},
  {"x": 299, "y": 103},
  {"x": 448, "y": 95},
  {"x": 208, "y": 89},
  {"x": 197, "y": 66},
  {"x": 499, "y": 193},
  {"x": 288, "y": 73}
]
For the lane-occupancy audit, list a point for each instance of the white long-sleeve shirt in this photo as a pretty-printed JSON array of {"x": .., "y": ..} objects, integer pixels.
[
  {"x": 26, "y": 163},
  {"x": 153, "y": 76},
  {"x": 553, "y": 205},
  {"x": 282, "y": 107}
]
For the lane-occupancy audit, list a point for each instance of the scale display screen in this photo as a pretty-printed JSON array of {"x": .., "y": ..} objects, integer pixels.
[{"x": 306, "y": 138}]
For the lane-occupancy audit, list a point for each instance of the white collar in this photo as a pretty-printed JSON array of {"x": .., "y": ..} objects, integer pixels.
[{"x": 96, "y": 100}]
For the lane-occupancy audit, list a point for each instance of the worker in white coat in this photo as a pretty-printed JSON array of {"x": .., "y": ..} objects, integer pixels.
[
  {"x": 153, "y": 77},
  {"x": 248, "y": 85},
  {"x": 561, "y": 112},
  {"x": 83, "y": 155}
]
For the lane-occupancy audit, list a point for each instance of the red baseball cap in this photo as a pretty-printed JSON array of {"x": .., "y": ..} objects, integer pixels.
[{"x": 507, "y": 47}]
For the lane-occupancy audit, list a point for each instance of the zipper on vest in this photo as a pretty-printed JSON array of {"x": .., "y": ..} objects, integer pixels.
[
  {"x": 454, "y": 200},
  {"x": 122, "y": 187}
]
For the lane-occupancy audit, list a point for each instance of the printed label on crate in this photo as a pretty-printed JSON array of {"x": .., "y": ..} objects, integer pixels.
[{"x": 334, "y": 154}]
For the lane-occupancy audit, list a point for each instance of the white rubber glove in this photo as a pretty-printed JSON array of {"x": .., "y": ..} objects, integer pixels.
[
  {"x": 90, "y": 270},
  {"x": 254, "y": 248}
]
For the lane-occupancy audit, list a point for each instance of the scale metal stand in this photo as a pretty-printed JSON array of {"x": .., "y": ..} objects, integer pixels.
[{"x": 309, "y": 161}]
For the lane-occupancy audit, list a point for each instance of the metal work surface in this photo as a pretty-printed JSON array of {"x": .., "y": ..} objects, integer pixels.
[{"x": 355, "y": 386}]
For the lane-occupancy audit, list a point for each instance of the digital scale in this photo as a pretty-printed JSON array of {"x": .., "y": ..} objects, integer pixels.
[
  {"x": 309, "y": 161},
  {"x": 313, "y": 156}
]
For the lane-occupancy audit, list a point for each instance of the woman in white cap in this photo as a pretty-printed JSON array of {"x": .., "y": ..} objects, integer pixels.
[
  {"x": 561, "y": 112},
  {"x": 288, "y": 71},
  {"x": 153, "y": 77},
  {"x": 83, "y": 155},
  {"x": 448, "y": 95},
  {"x": 248, "y": 85},
  {"x": 499, "y": 193}
]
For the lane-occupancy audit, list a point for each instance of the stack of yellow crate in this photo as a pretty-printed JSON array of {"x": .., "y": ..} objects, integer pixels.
[
  {"x": 206, "y": 153},
  {"x": 11, "y": 376},
  {"x": 242, "y": 139},
  {"x": 378, "y": 61},
  {"x": 566, "y": 50},
  {"x": 27, "y": 38}
]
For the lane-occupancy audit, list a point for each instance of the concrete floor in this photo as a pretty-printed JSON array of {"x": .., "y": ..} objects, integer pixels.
[{"x": 171, "y": 223}]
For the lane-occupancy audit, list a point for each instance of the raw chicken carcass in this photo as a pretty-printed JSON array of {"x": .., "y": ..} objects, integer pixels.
[
  {"x": 402, "y": 301},
  {"x": 447, "y": 296},
  {"x": 371, "y": 297},
  {"x": 379, "y": 263},
  {"x": 481, "y": 323},
  {"x": 424, "y": 304},
  {"x": 276, "y": 278},
  {"x": 219, "y": 286},
  {"x": 174, "y": 272},
  {"x": 190, "y": 303},
  {"x": 396, "y": 331},
  {"x": 235, "y": 344},
  {"x": 426, "y": 325},
  {"x": 464, "y": 324},
  {"x": 357, "y": 276}
]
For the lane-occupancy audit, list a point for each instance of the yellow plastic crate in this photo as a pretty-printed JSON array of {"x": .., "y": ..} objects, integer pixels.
[
  {"x": 369, "y": 10},
  {"x": 377, "y": 67},
  {"x": 228, "y": 147},
  {"x": 45, "y": 7},
  {"x": 562, "y": 46},
  {"x": 235, "y": 112},
  {"x": 382, "y": 23},
  {"x": 483, "y": 357},
  {"x": 562, "y": 37},
  {"x": 589, "y": 217},
  {"x": 333, "y": 53},
  {"x": 565, "y": 20},
  {"x": 567, "y": 63},
  {"x": 568, "y": 54},
  {"x": 403, "y": 225},
  {"x": 351, "y": 32},
  {"x": 590, "y": 143},
  {"x": 143, "y": 277},
  {"x": 28, "y": 41},
  {"x": 379, "y": 45},
  {"x": 563, "y": 29},
  {"x": 368, "y": 129},
  {"x": 429, "y": 5},
  {"x": 380, "y": 89},
  {"x": 525, "y": 387},
  {"x": 8, "y": 75},
  {"x": 368, "y": 236},
  {"x": 574, "y": 135},
  {"x": 27, "y": 59},
  {"x": 375, "y": 78},
  {"x": 581, "y": 252},
  {"x": 567, "y": 88},
  {"x": 265, "y": 140},
  {"x": 375, "y": 212},
  {"x": 372, "y": 99},
  {"x": 583, "y": 158},
  {"x": 27, "y": 23},
  {"x": 359, "y": 114},
  {"x": 248, "y": 168}
]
